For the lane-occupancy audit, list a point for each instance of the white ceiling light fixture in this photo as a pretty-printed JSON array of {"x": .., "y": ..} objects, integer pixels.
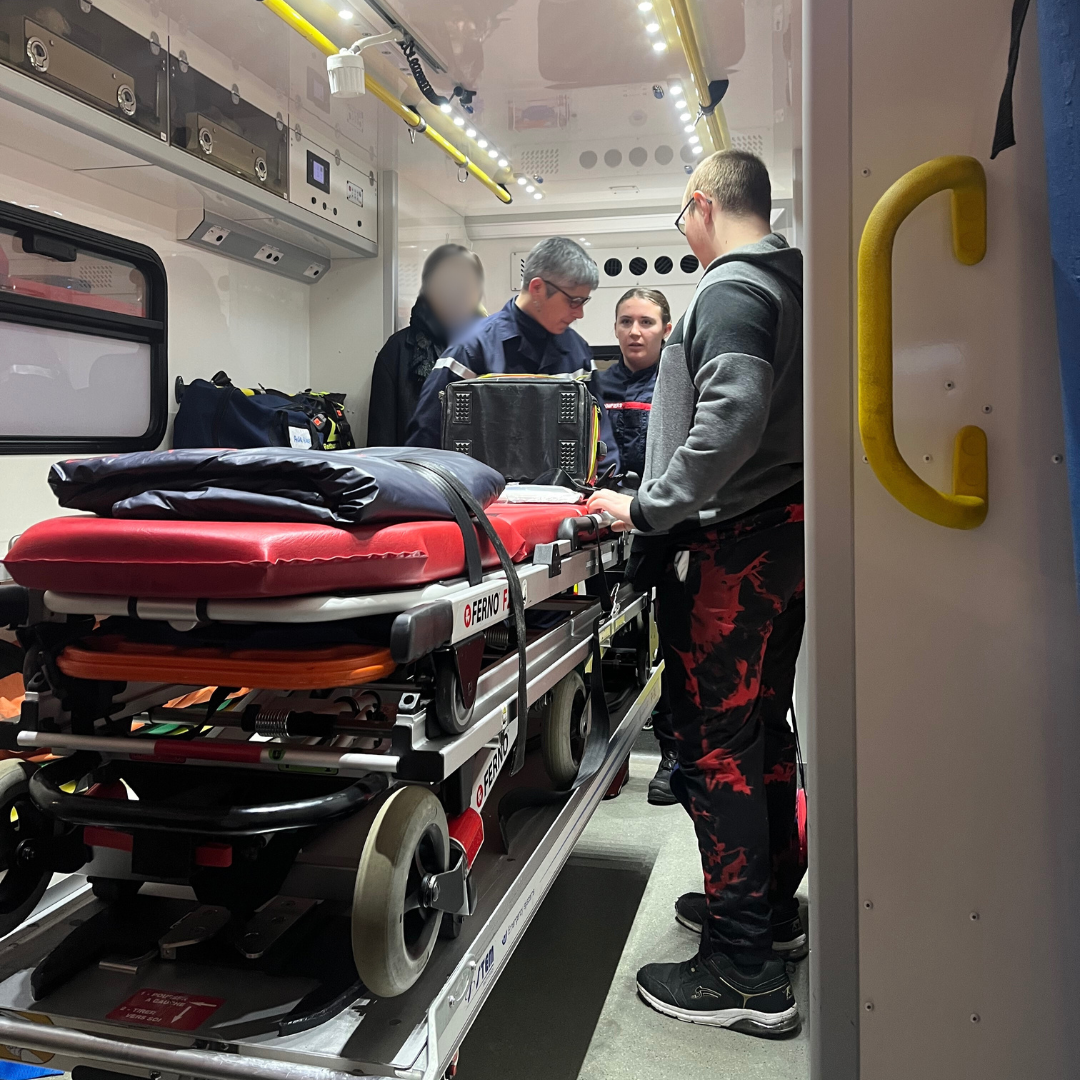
[
  {"x": 459, "y": 121},
  {"x": 493, "y": 154},
  {"x": 652, "y": 28},
  {"x": 680, "y": 104},
  {"x": 644, "y": 6},
  {"x": 503, "y": 163},
  {"x": 522, "y": 180},
  {"x": 659, "y": 46},
  {"x": 445, "y": 107},
  {"x": 684, "y": 117},
  {"x": 482, "y": 143},
  {"x": 697, "y": 149},
  {"x": 694, "y": 140},
  {"x": 688, "y": 128},
  {"x": 538, "y": 196},
  {"x": 530, "y": 189},
  {"x": 675, "y": 90},
  {"x": 345, "y": 14},
  {"x": 471, "y": 133}
]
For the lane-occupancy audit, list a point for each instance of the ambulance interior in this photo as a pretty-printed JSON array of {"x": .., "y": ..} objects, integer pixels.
[{"x": 937, "y": 687}]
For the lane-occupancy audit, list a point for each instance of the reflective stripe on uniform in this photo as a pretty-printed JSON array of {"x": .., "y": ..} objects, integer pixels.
[
  {"x": 643, "y": 406},
  {"x": 460, "y": 370}
]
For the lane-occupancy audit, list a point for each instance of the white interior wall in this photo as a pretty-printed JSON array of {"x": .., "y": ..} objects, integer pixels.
[
  {"x": 965, "y": 643},
  {"x": 222, "y": 314}
]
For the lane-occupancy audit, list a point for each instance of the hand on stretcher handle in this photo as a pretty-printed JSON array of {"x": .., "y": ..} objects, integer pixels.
[{"x": 587, "y": 527}]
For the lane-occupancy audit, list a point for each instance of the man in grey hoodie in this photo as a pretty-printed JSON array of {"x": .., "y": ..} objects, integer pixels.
[{"x": 719, "y": 517}]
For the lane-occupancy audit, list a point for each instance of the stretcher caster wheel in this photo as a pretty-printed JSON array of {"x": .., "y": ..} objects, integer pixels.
[
  {"x": 643, "y": 658},
  {"x": 24, "y": 878},
  {"x": 394, "y": 930},
  {"x": 565, "y": 729},
  {"x": 450, "y": 710}
]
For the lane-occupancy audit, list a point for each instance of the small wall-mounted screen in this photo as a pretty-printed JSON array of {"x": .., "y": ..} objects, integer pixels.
[{"x": 318, "y": 172}]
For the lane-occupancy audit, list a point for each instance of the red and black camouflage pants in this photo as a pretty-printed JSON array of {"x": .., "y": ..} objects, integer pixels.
[{"x": 730, "y": 611}]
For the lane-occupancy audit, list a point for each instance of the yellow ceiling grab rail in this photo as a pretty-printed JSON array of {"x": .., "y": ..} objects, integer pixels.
[
  {"x": 715, "y": 121},
  {"x": 966, "y": 507},
  {"x": 321, "y": 42}
]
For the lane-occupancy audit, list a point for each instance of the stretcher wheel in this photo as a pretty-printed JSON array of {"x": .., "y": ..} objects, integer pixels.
[
  {"x": 393, "y": 929},
  {"x": 643, "y": 658},
  {"x": 565, "y": 729},
  {"x": 23, "y": 884},
  {"x": 450, "y": 710}
]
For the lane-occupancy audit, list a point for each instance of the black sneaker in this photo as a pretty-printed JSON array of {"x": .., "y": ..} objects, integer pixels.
[
  {"x": 660, "y": 785},
  {"x": 789, "y": 939},
  {"x": 717, "y": 993},
  {"x": 789, "y": 936}
]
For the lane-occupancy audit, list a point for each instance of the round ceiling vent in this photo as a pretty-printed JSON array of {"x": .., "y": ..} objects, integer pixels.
[
  {"x": 638, "y": 266},
  {"x": 663, "y": 265},
  {"x": 688, "y": 264},
  {"x": 638, "y": 156},
  {"x": 613, "y": 159},
  {"x": 663, "y": 154},
  {"x": 613, "y": 268},
  {"x": 588, "y": 159},
  {"x": 687, "y": 154}
]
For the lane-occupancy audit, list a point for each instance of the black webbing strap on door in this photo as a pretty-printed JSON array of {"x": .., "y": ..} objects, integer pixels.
[
  {"x": 437, "y": 473},
  {"x": 1004, "y": 136}
]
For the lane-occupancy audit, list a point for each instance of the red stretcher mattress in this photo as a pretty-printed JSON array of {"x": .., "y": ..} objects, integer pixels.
[{"x": 245, "y": 560}]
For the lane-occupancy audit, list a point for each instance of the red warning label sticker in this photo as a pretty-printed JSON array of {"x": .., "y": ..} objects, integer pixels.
[{"x": 163, "y": 1008}]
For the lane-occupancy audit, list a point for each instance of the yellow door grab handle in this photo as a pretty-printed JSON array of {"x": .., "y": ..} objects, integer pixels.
[{"x": 966, "y": 507}]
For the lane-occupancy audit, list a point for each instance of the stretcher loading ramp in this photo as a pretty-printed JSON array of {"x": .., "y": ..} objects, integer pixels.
[{"x": 162, "y": 1019}]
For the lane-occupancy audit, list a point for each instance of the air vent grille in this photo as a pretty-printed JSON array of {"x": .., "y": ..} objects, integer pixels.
[
  {"x": 754, "y": 144},
  {"x": 542, "y": 161}
]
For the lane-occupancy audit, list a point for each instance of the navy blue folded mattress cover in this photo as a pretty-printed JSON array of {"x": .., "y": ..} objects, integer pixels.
[{"x": 368, "y": 486}]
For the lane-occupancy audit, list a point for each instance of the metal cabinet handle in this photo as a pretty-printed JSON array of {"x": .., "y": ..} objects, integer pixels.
[{"x": 966, "y": 507}]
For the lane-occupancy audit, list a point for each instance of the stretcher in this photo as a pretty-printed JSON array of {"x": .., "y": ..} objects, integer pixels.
[{"x": 332, "y": 796}]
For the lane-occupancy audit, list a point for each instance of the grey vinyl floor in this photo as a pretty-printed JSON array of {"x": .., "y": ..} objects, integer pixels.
[{"x": 566, "y": 1007}]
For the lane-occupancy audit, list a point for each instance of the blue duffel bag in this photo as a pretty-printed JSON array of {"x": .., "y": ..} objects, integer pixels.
[{"x": 217, "y": 413}]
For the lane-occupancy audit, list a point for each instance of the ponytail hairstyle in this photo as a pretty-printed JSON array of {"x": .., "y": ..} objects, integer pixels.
[{"x": 654, "y": 296}]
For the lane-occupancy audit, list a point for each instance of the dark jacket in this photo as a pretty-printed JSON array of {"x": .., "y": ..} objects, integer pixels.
[
  {"x": 726, "y": 427},
  {"x": 627, "y": 399},
  {"x": 401, "y": 367},
  {"x": 508, "y": 342}
]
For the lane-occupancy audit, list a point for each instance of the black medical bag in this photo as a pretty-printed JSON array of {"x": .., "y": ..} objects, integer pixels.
[
  {"x": 219, "y": 414},
  {"x": 524, "y": 425}
]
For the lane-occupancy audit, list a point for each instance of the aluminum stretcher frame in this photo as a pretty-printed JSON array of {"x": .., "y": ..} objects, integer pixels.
[{"x": 432, "y": 1018}]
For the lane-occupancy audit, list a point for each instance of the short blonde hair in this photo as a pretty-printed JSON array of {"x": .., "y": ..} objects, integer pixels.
[{"x": 737, "y": 181}]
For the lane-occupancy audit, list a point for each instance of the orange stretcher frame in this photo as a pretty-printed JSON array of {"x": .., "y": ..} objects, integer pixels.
[{"x": 267, "y": 669}]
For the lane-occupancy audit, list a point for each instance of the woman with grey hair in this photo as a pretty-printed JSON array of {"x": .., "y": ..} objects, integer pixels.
[{"x": 530, "y": 335}]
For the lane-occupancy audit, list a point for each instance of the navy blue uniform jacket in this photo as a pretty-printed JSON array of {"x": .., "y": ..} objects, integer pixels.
[
  {"x": 506, "y": 343},
  {"x": 627, "y": 399}
]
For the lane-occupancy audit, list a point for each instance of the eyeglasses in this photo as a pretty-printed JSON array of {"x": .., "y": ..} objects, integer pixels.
[
  {"x": 576, "y": 302},
  {"x": 679, "y": 223}
]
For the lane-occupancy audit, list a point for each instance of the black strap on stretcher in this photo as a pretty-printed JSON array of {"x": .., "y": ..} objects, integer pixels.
[{"x": 457, "y": 492}]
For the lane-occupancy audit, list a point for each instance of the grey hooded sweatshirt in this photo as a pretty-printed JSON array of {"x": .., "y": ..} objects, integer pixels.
[{"x": 726, "y": 431}]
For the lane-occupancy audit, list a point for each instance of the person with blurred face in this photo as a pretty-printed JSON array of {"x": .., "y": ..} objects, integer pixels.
[
  {"x": 530, "y": 335},
  {"x": 451, "y": 286},
  {"x": 719, "y": 520}
]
